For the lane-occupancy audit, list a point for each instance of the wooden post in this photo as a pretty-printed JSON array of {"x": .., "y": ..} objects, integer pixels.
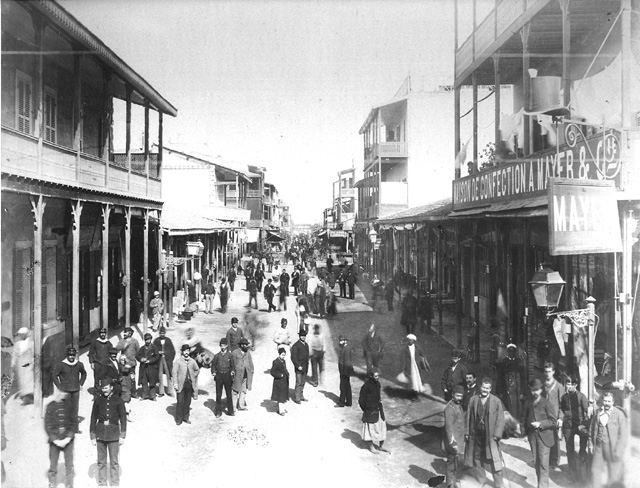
[
  {"x": 39, "y": 27},
  {"x": 440, "y": 278},
  {"x": 106, "y": 210},
  {"x": 129, "y": 91},
  {"x": 77, "y": 109},
  {"x": 76, "y": 210},
  {"x": 526, "y": 81},
  {"x": 474, "y": 79},
  {"x": 146, "y": 144},
  {"x": 476, "y": 287},
  {"x": 37, "y": 208},
  {"x": 160, "y": 280},
  {"x": 496, "y": 112},
  {"x": 160, "y": 148},
  {"x": 145, "y": 269},
  {"x": 127, "y": 266},
  {"x": 458, "y": 286}
]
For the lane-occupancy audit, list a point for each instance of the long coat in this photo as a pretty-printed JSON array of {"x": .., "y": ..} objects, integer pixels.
[
  {"x": 494, "y": 425},
  {"x": 455, "y": 428},
  {"x": 280, "y": 390},
  {"x": 545, "y": 413},
  {"x": 148, "y": 370},
  {"x": 180, "y": 367},
  {"x": 300, "y": 356},
  {"x": 243, "y": 364},
  {"x": 617, "y": 429},
  {"x": 169, "y": 351},
  {"x": 421, "y": 361}
]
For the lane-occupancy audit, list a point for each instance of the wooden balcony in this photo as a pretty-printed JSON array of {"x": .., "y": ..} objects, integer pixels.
[
  {"x": 385, "y": 150},
  {"x": 64, "y": 166}
]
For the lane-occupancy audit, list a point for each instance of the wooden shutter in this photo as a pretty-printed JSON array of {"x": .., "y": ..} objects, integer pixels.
[
  {"x": 50, "y": 115},
  {"x": 23, "y": 102},
  {"x": 49, "y": 282},
  {"x": 22, "y": 287}
]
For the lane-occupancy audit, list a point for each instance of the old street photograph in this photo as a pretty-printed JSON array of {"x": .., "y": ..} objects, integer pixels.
[{"x": 324, "y": 243}]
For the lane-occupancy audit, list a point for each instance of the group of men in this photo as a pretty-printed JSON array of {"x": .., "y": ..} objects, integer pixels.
[{"x": 475, "y": 424}]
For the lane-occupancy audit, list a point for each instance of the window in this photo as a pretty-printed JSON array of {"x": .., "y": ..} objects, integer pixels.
[
  {"x": 50, "y": 114},
  {"x": 23, "y": 102}
]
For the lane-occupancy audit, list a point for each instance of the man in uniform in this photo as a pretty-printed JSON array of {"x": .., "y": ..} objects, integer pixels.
[
  {"x": 69, "y": 376},
  {"x": 539, "y": 424},
  {"x": 511, "y": 382},
  {"x": 107, "y": 430},
  {"x": 243, "y": 377},
  {"x": 300, "y": 360},
  {"x": 453, "y": 375},
  {"x": 99, "y": 355},
  {"x": 222, "y": 369},
  {"x": 60, "y": 424},
  {"x": 455, "y": 428}
]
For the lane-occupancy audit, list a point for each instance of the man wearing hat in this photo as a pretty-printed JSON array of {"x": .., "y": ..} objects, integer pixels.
[
  {"x": 234, "y": 334},
  {"x": 485, "y": 426},
  {"x": 112, "y": 371},
  {"x": 167, "y": 353},
  {"x": 453, "y": 375},
  {"x": 243, "y": 377},
  {"x": 60, "y": 424},
  {"x": 345, "y": 369},
  {"x": 222, "y": 369},
  {"x": 69, "y": 376},
  {"x": 539, "y": 425},
  {"x": 455, "y": 429},
  {"x": 107, "y": 430},
  {"x": 148, "y": 377},
  {"x": 129, "y": 347},
  {"x": 300, "y": 360},
  {"x": 269, "y": 293},
  {"x": 156, "y": 307},
  {"x": 185, "y": 382},
  {"x": 510, "y": 382},
  {"x": 99, "y": 355}
]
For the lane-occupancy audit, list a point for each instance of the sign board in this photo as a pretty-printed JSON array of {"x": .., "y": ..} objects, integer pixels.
[
  {"x": 583, "y": 217},
  {"x": 338, "y": 233},
  {"x": 595, "y": 158},
  {"x": 254, "y": 194}
]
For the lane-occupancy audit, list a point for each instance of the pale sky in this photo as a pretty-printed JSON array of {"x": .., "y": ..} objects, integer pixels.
[{"x": 283, "y": 84}]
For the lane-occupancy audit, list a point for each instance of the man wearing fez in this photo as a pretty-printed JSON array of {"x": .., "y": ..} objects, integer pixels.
[
  {"x": 455, "y": 428},
  {"x": 60, "y": 424},
  {"x": 510, "y": 382},
  {"x": 99, "y": 355},
  {"x": 185, "y": 382},
  {"x": 148, "y": 377},
  {"x": 107, "y": 430},
  {"x": 608, "y": 438},
  {"x": 69, "y": 376},
  {"x": 167, "y": 353},
  {"x": 485, "y": 426},
  {"x": 243, "y": 377},
  {"x": 222, "y": 369},
  {"x": 300, "y": 360},
  {"x": 539, "y": 424},
  {"x": 453, "y": 375}
]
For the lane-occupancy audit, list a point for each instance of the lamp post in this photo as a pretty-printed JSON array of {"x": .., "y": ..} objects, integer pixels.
[{"x": 373, "y": 237}]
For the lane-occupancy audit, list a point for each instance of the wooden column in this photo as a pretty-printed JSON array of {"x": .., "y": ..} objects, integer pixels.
[
  {"x": 39, "y": 27},
  {"x": 566, "y": 52},
  {"x": 129, "y": 91},
  {"x": 456, "y": 128},
  {"x": 106, "y": 210},
  {"x": 127, "y": 266},
  {"x": 77, "y": 109},
  {"x": 145, "y": 268},
  {"x": 496, "y": 112},
  {"x": 528, "y": 272},
  {"x": 76, "y": 209},
  {"x": 440, "y": 278},
  {"x": 476, "y": 286},
  {"x": 160, "y": 276},
  {"x": 526, "y": 88},
  {"x": 37, "y": 208},
  {"x": 107, "y": 121},
  {"x": 458, "y": 286},
  {"x": 474, "y": 80},
  {"x": 160, "y": 148},
  {"x": 146, "y": 144}
]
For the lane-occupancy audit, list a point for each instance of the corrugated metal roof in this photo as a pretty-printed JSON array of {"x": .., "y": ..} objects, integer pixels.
[
  {"x": 438, "y": 210},
  {"x": 184, "y": 221}
]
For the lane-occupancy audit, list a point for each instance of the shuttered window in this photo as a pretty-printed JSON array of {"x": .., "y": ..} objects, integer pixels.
[
  {"x": 23, "y": 102},
  {"x": 22, "y": 286},
  {"x": 50, "y": 114},
  {"x": 49, "y": 283}
]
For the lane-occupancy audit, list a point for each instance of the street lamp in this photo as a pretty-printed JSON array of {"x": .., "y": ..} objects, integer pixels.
[
  {"x": 547, "y": 286},
  {"x": 373, "y": 235},
  {"x": 195, "y": 248}
]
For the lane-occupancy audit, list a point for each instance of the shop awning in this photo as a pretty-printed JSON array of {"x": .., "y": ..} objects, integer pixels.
[
  {"x": 526, "y": 207},
  {"x": 274, "y": 236},
  {"x": 437, "y": 210},
  {"x": 181, "y": 222},
  {"x": 322, "y": 234},
  {"x": 253, "y": 235}
]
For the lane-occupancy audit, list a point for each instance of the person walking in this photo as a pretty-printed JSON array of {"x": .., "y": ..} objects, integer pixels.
[
  {"x": 539, "y": 424},
  {"x": 269, "y": 293},
  {"x": 231, "y": 278},
  {"x": 374, "y": 427},
  {"x": 60, "y": 425},
  {"x": 185, "y": 382},
  {"x": 372, "y": 348},
  {"x": 223, "y": 370},
  {"x": 281, "y": 336},
  {"x": 295, "y": 280},
  {"x": 280, "y": 389},
  {"x": 286, "y": 279},
  {"x": 129, "y": 347},
  {"x": 300, "y": 360},
  {"x": 148, "y": 358},
  {"x": 342, "y": 283},
  {"x": 485, "y": 426},
  {"x": 455, "y": 428},
  {"x": 304, "y": 280},
  {"x": 409, "y": 316},
  {"x": 351, "y": 283},
  {"x": 454, "y": 374},
  {"x": 98, "y": 356},
  {"x": 575, "y": 410},
  {"x": 252, "y": 288},
  {"x": 167, "y": 353},
  {"x": 283, "y": 291},
  {"x": 107, "y": 430},
  {"x": 259, "y": 276},
  {"x": 224, "y": 295},
  {"x": 209, "y": 296},
  {"x": 156, "y": 310},
  {"x": 608, "y": 439},
  {"x": 321, "y": 297},
  {"x": 234, "y": 334},
  {"x": 415, "y": 365},
  {"x": 243, "y": 378},
  {"x": 345, "y": 370},
  {"x": 69, "y": 376},
  {"x": 553, "y": 391},
  {"x": 317, "y": 348}
]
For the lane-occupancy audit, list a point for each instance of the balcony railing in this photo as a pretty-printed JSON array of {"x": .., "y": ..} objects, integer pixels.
[
  {"x": 138, "y": 164},
  {"x": 64, "y": 166},
  {"x": 386, "y": 150}
]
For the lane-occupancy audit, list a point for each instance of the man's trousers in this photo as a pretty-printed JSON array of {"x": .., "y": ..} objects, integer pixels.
[
  {"x": 54, "y": 455},
  {"x": 113, "y": 448}
]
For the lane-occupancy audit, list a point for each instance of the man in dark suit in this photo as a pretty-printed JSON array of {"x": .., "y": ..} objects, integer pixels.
[
  {"x": 454, "y": 374},
  {"x": 107, "y": 430},
  {"x": 167, "y": 353},
  {"x": 222, "y": 369},
  {"x": 455, "y": 428},
  {"x": 608, "y": 438},
  {"x": 60, "y": 424},
  {"x": 300, "y": 360},
  {"x": 148, "y": 377},
  {"x": 540, "y": 423},
  {"x": 471, "y": 388},
  {"x": 575, "y": 407},
  {"x": 345, "y": 369}
]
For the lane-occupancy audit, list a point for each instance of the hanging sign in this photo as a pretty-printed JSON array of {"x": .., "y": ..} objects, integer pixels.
[{"x": 583, "y": 217}]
